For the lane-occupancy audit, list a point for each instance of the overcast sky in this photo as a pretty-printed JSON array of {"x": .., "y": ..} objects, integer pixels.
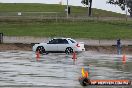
[{"x": 100, "y": 4}]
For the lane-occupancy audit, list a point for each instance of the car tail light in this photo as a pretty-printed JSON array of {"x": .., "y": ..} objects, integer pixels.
[{"x": 77, "y": 45}]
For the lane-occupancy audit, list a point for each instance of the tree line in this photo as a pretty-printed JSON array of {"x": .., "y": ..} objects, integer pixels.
[{"x": 124, "y": 4}]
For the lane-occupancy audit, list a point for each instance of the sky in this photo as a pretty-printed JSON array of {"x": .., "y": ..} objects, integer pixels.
[{"x": 100, "y": 4}]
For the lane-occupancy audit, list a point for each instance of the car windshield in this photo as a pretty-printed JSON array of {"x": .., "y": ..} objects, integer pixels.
[{"x": 73, "y": 41}]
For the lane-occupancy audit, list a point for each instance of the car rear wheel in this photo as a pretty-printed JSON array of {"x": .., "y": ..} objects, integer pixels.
[
  {"x": 41, "y": 50},
  {"x": 69, "y": 50}
]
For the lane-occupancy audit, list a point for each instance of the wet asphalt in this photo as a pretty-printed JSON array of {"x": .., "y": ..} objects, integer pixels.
[{"x": 58, "y": 70}]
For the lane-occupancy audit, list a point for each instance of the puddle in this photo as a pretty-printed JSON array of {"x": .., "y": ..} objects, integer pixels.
[{"x": 20, "y": 69}]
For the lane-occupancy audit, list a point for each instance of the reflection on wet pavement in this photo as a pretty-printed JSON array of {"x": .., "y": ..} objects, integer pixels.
[{"x": 20, "y": 69}]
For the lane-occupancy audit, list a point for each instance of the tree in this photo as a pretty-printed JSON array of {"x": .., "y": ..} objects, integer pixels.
[
  {"x": 88, "y": 3},
  {"x": 123, "y": 4},
  {"x": 85, "y": 2}
]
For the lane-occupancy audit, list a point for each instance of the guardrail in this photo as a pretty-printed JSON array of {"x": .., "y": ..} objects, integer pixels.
[{"x": 55, "y": 16}]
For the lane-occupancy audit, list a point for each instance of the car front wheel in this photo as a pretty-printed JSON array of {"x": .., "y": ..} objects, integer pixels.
[{"x": 69, "y": 50}]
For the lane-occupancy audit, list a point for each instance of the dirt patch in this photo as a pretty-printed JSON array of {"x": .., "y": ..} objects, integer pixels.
[
  {"x": 100, "y": 49},
  {"x": 15, "y": 46}
]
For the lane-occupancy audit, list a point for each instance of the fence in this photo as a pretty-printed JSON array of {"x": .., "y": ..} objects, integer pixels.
[
  {"x": 54, "y": 16},
  {"x": 29, "y": 40}
]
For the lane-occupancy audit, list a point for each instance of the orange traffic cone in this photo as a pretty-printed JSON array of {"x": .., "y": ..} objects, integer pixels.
[
  {"x": 74, "y": 56},
  {"x": 37, "y": 56},
  {"x": 86, "y": 74},
  {"x": 124, "y": 59}
]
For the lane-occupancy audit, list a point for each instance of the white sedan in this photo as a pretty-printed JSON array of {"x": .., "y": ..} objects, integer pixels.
[{"x": 66, "y": 45}]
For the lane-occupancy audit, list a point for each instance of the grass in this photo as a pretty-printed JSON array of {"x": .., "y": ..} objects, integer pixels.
[
  {"x": 90, "y": 30},
  {"x": 33, "y": 7},
  {"x": 78, "y": 29}
]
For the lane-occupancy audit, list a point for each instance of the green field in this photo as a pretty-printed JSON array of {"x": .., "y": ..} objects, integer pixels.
[
  {"x": 90, "y": 30},
  {"x": 75, "y": 10}
]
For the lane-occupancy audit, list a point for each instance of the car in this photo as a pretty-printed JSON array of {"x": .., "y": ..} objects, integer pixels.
[{"x": 65, "y": 45}]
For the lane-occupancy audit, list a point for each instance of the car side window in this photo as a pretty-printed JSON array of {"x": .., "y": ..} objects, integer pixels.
[
  {"x": 54, "y": 41},
  {"x": 62, "y": 41},
  {"x": 65, "y": 41},
  {"x": 73, "y": 41}
]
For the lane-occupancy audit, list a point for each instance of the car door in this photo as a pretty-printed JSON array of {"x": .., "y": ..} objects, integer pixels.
[
  {"x": 62, "y": 44},
  {"x": 52, "y": 45}
]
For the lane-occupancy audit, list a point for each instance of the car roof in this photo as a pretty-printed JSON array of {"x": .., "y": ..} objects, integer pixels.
[{"x": 61, "y": 38}]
